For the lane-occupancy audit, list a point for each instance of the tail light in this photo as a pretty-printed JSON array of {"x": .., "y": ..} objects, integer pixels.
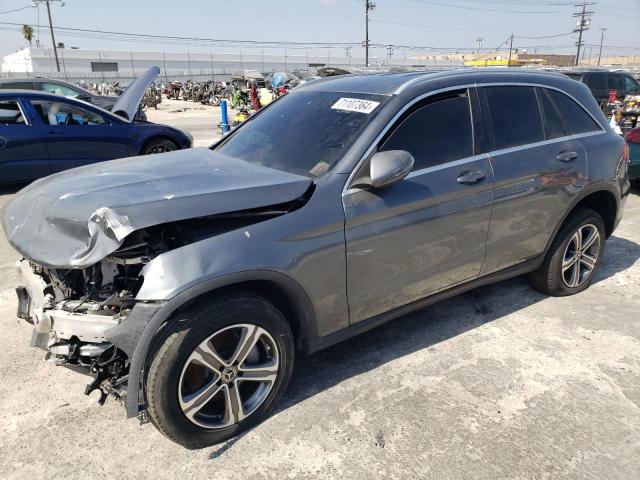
[{"x": 633, "y": 136}]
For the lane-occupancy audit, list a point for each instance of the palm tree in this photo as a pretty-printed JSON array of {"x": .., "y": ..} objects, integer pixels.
[{"x": 27, "y": 33}]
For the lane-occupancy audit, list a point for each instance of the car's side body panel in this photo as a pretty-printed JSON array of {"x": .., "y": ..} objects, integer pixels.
[
  {"x": 435, "y": 224},
  {"x": 306, "y": 245},
  {"x": 22, "y": 158}
]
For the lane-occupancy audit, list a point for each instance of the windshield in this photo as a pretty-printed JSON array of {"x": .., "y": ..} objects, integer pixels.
[{"x": 303, "y": 132}]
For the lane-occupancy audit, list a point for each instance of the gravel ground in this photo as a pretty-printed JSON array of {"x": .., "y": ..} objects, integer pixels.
[{"x": 501, "y": 382}]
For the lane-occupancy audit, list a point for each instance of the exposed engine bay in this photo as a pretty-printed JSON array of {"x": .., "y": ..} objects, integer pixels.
[{"x": 73, "y": 309}]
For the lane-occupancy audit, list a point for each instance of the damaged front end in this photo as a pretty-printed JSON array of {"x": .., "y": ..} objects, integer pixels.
[
  {"x": 77, "y": 313},
  {"x": 86, "y": 236}
]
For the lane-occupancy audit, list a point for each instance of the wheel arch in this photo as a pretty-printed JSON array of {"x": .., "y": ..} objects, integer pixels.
[
  {"x": 602, "y": 198},
  {"x": 283, "y": 291}
]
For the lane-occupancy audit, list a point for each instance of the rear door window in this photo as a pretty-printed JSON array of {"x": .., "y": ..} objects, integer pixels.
[
  {"x": 438, "y": 132},
  {"x": 563, "y": 116},
  {"x": 515, "y": 116},
  {"x": 10, "y": 113}
]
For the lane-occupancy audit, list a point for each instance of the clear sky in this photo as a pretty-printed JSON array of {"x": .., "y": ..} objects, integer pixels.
[{"x": 451, "y": 24}]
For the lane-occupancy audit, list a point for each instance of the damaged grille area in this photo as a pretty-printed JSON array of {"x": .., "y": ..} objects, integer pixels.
[{"x": 73, "y": 309}]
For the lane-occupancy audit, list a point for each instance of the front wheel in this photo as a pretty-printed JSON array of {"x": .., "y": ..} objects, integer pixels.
[
  {"x": 574, "y": 256},
  {"x": 219, "y": 369},
  {"x": 160, "y": 145}
]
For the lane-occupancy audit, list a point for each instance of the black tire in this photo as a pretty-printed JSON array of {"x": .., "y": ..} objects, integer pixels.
[
  {"x": 181, "y": 337},
  {"x": 158, "y": 145},
  {"x": 550, "y": 278}
]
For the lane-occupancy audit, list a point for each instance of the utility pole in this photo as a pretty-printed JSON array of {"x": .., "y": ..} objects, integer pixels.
[
  {"x": 601, "y": 42},
  {"x": 368, "y": 6},
  {"x": 389, "y": 51},
  {"x": 347, "y": 52},
  {"x": 35, "y": 3},
  {"x": 510, "y": 49},
  {"x": 582, "y": 24}
]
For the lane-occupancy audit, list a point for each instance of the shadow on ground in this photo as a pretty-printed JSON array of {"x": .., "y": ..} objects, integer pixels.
[{"x": 424, "y": 329}]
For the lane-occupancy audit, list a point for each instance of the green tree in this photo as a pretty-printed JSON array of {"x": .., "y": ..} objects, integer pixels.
[{"x": 27, "y": 33}]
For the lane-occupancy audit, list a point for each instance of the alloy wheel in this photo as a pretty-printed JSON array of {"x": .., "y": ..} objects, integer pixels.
[
  {"x": 159, "y": 149},
  {"x": 228, "y": 376},
  {"x": 580, "y": 256}
]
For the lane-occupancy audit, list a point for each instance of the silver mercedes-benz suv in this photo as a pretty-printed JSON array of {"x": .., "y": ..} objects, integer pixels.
[{"x": 186, "y": 284}]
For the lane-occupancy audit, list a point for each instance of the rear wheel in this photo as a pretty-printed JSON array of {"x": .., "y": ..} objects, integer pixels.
[
  {"x": 159, "y": 145},
  {"x": 574, "y": 256},
  {"x": 219, "y": 369}
]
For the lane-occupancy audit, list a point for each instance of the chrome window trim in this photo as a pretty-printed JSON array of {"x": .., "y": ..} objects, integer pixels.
[
  {"x": 419, "y": 98},
  {"x": 502, "y": 151}
]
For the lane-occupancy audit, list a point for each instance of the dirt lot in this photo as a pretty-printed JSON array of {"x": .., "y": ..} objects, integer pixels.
[
  {"x": 499, "y": 383},
  {"x": 199, "y": 120}
]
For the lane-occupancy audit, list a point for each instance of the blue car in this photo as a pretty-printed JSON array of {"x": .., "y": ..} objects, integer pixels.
[{"x": 43, "y": 133}]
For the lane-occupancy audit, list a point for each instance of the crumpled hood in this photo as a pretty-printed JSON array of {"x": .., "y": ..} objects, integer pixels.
[{"x": 74, "y": 219}]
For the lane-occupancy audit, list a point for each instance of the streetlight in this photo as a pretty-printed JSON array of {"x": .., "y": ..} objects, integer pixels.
[{"x": 34, "y": 3}]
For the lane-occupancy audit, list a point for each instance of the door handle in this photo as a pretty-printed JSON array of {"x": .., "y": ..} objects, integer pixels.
[
  {"x": 471, "y": 176},
  {"x": 53, "y": 132},
  {"x": 3, "y": 142},
  {"x": 566, "y": 156}
]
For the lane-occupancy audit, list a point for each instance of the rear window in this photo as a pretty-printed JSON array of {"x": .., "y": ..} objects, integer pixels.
[
  {"x": 563, "y": 116},
  {"x": 515, "y": 116},
  {"x": 303, "y": 132}
]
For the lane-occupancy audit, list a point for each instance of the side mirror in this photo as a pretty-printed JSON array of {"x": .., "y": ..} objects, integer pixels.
[{"x": 386, "y": 168}]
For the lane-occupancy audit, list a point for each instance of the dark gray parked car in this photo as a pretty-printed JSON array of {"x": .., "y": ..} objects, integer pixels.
[
  {"x": 601, "y": 82},
  {"x": 190, "y": 282},
  {"x": 59, "y": 87}
]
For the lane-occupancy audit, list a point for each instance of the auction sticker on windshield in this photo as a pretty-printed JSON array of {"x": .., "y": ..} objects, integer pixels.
[{"x": 355, "y": 105}]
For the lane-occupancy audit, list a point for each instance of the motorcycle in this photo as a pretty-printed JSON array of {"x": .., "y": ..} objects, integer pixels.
[
  {"x": 238, "y": 97},
  {"x": 186, "y": 90},
  {"x": 152, "y": 97},
  {"x": 172, "y": 90}
]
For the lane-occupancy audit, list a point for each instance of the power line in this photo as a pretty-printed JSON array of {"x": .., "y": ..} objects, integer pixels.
[
  {"x": 464, "y": 7},
  {"x": 15, "y": 10},
  {"x": 130, "y": 36}
]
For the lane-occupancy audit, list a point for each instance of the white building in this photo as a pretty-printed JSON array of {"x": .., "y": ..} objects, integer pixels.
[{"x": 101, "y": 64}]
